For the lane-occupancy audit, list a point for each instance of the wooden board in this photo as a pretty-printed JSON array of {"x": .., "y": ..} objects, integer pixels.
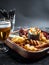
[{"x": 25, "y": 53}]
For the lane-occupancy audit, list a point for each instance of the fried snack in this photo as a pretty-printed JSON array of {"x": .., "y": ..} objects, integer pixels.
[
  {"x": 42, "y": 37},
  {"x": 30, "y": 44},
  {"x": 18, "y": 39},
  {"x": 31, "y": 48},
  {"x": 43, "y": 45},
  {"x": 47, "y": 41}
]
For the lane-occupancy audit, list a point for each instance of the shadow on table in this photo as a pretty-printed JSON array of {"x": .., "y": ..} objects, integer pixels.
[{"x": 17, "y": 58}]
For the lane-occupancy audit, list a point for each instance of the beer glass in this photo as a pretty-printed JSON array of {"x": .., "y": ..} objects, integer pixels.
[{"x": 5, "y": 27}]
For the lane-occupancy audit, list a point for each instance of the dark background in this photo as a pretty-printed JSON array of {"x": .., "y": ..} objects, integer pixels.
[{"x": 29, "y": 12}]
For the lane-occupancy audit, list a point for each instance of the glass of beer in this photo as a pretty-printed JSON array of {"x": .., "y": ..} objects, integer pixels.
[{"x": 5, "y": 27}]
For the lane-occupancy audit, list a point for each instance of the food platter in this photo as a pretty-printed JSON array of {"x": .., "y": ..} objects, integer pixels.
[{"x": 24, "y": 52}]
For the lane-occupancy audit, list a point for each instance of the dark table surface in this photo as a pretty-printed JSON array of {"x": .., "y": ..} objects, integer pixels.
[{"x": 12, "y": 58}]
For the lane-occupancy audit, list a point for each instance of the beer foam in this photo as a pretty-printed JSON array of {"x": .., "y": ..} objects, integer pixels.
[{"x": 5, "y": 24}]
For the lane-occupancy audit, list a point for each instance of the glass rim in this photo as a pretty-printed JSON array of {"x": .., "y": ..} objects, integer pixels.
[
  {"x": 3, "y": 19},
  {"x": 4, "y": 24}
]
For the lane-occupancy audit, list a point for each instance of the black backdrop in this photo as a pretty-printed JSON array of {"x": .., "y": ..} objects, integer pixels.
[{"x": 29, "y": 12}]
